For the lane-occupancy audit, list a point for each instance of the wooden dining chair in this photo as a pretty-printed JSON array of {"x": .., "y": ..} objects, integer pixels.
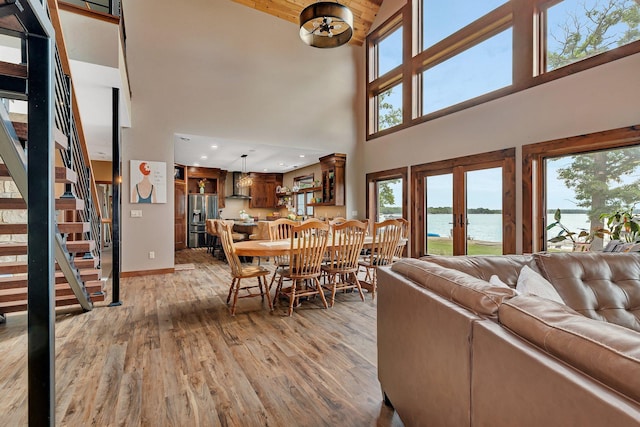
[
  {"x": 386, "y": 238},
  {"x": 240, "y": 271},
  {"x": 307, "y": 248},
  {"x": 342, "y": 265},
  {"x": 280, "y": 229},
  {"x": 404, "y": 223}
]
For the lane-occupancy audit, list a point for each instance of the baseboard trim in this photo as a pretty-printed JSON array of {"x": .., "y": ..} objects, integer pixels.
[{"x": 147, "y": 272}]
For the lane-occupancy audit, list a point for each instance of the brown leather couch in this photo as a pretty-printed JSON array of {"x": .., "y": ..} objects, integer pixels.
[{"x": 454, "y": 350}]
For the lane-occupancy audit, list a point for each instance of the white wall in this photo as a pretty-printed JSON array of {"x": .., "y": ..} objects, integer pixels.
[{"x": 220, "y": 69}]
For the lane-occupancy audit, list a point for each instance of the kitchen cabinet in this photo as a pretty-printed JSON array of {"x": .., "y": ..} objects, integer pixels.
[
  {"x": 333, "y": 174},
  {"x": 263, "y": 190}
]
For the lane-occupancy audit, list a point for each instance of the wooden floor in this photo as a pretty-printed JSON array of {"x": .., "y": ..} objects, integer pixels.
[{"x": 173, "y": 356}]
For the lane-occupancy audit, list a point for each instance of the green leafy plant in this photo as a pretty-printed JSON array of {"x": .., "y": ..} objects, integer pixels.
[
  {"x": 583, "y": 236},
  {"x": 623, "y": 225}
]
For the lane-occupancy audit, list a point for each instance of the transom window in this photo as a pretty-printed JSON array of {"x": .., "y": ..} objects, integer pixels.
[{"x": 466, "y": 52}]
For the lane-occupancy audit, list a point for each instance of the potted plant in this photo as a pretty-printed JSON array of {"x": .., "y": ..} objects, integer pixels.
[
  {"x": 580, "y": 241},
  {"x": 623, "y": 225}
]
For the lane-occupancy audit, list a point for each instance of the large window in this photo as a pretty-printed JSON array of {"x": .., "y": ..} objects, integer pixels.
[
  {"x": 465, "y": 52},
  {"x": 387, "y": 194},
  {"x": 582, "y": 178},
  {"x": 579, "y": 29},
  {"x": 465, "y": 205}
]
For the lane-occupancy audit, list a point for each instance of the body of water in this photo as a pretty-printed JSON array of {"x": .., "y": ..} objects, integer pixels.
[{"x": 488, "y": 227}]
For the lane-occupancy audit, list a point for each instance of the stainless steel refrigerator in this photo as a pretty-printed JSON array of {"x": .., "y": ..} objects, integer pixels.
[{"x": 201, "y": 207}]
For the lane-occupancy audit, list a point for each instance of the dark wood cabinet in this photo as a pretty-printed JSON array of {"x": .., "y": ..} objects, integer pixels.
[
  {"x": 180, "y": 208},
  {"x": 263, "y": 190},
  {"x": 333, "y": 187},
  {"x": 213, "y": 179}
]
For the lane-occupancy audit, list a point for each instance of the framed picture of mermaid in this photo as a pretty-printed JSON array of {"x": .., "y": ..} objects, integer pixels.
[{"x": 148, "y": 182}]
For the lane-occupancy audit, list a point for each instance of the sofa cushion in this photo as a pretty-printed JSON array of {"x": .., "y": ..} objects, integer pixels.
[
  {"x": 602, "y": 286},
  {"x": 474, "y": 294},
  {"x": 607, "y": 352},
  {"x": 506, "y": 267},
  {"x": 530, "y": 282}
]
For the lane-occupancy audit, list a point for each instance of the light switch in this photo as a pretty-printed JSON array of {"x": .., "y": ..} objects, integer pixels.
[{"x": 136, "y": 213}]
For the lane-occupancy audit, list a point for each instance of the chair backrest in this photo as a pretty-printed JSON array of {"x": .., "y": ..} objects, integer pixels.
[
  {"x": 386, "y": 238},
  {"x": 337, "y": 220},
  {"x": 347, "y": 241},
  {"x": 210, "y": 227},
  {"x": 281, "y": 228},
  {"x": 308, "y": 246},
  {"x": 404, "y": 223},
  {"x": 225, "y": 233}
]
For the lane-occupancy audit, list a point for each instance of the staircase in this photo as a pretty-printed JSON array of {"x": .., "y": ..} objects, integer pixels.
[{"x": 77, "y": 278}]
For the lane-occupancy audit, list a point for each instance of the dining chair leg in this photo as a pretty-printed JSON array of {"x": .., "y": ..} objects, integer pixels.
[
  {"x": 357, "y": 282},
  {"x": 319, "y": 288},
  {"x": 293, "y": 296},
  {"x": 267, "y": 292},
  {"x": 332, "y": 283},
  {"x": 233, "y": 283},
  {"x": 278, "y": 288},
  {"x": 260, "y": 287},
  {"x": 235, "y": 298}
]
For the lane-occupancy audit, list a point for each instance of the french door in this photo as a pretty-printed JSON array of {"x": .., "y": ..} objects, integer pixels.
[{"x": 465, "y": 206}]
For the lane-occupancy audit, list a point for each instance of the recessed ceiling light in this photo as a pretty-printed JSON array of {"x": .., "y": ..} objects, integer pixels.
[
  {"x": 302, "y": 156},
  {"x": 203, "y": 157},
  {"x": 196, "y": 164},
  {"x": 214, "y": 147},
  {"x": 265, "y": 169},
  {"x": 281, "y": 164}
]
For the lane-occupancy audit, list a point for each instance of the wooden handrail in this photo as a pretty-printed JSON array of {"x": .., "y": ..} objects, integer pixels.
[{"x": 66, "y": 67}]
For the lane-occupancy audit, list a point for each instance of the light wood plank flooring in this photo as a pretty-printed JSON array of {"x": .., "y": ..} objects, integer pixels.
[{"x": 173, "y": 356}]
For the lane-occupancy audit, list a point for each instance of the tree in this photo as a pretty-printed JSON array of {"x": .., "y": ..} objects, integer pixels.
[
  {"x": 388, "y": 115},
  {"x": 597, "y": 178},
  {"x": 600, "y": 26},
  {"x": 385, "y": 193}
]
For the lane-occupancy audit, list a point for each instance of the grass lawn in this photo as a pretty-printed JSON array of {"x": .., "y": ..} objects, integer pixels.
[{"x": 444, "y": 246}]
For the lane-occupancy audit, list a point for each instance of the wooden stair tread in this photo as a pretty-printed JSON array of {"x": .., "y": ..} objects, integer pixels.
[
  {"x": 13, "y": 70},
  {"x": 21, "y": 129},
  {"x": 64, "y": 227},
  {"x": 71, "y": 204},
  {"x": 63, "y": 175},
  {"x": 20, "y": 281},
  {"x": 62, "y": 289},
  {"x": 73, "y": 246},
  {"x": 21, "y": 266},
  {"x": 61, "y": 301}
]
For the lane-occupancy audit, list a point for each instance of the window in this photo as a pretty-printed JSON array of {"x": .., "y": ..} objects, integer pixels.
[
  {"x": 466, "y": 52},
  {"x": 304, "y": 198},
  {"x": 583, "y": 177},
  {"x": 386, "y": 102},
  {"x": 579, "y": 29},
  {"x": 387, "y": 195},
  {"x": 443, "y": 18},
  {"x": 468, "y": 205},
  {"x": 476, "y": 71}
]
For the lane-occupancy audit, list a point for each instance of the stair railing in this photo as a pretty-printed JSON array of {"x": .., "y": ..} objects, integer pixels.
[{"x": 68, "y": 120}]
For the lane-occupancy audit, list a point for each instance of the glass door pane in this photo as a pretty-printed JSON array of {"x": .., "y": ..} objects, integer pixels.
[
  {"x": 484, "y": 211},
  {"x": 439, "y": 214},
  {"x": 389, "y": 199}
]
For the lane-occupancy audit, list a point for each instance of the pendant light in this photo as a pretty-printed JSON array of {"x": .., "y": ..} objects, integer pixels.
[{"x": 326, "y": 24}]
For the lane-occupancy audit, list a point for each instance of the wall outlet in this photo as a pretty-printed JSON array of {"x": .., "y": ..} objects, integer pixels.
[
  {"x": 152, "y": 255},
  {"x": 136, "y": 213}
]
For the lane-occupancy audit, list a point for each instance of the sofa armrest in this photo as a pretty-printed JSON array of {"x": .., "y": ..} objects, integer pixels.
[{"x": 604, "y": 351}]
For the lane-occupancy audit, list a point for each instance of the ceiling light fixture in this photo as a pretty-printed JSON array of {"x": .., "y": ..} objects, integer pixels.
[
  {"x": 245, "y": 180},
  {"x": 326, "y": 24}
]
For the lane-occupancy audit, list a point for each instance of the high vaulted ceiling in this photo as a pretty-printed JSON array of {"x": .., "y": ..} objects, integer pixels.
[{"x": 364, "y": 12}]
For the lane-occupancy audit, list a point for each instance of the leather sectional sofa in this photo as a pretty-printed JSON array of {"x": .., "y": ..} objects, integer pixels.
[{"x": 454, "y": 350}]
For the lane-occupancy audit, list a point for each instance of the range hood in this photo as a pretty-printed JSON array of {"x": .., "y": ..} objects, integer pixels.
[{"x": 238, "y": 192}]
